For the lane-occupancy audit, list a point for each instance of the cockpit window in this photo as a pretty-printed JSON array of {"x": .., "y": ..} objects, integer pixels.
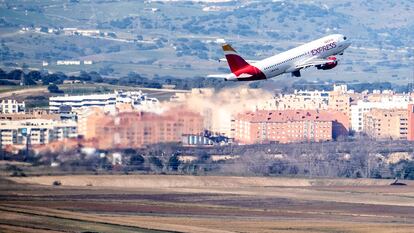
[{"x": 344, "y": 37}]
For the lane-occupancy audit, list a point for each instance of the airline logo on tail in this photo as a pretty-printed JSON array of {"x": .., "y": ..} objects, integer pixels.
[{"x": 242, "y": 70}]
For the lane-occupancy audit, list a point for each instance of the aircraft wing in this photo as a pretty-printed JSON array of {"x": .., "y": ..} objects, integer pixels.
[{"x": 312, "y": 62}]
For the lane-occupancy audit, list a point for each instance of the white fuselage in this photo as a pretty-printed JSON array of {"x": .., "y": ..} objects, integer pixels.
[{"x": 318, "y": 49}]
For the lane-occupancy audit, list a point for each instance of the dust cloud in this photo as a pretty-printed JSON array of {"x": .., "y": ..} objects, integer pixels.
[{"x": 219, "y": 107}]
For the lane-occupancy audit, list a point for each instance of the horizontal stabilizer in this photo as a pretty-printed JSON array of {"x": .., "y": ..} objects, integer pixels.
[
  {"x": 217, "y": 75},
  {"x": 244, "y": 75}
]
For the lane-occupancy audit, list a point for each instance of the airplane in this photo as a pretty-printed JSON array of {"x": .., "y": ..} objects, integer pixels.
[{"x": 319, "y": 53}]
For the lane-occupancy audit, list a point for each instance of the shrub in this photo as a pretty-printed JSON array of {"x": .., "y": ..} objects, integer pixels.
[{"x": 57, "y": 183}]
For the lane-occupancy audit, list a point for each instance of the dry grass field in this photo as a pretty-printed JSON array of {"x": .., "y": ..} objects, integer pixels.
[{"x": 150, "y": 203}]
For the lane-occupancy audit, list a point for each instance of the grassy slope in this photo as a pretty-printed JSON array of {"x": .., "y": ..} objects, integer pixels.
[{"x": 90, "y": 14}]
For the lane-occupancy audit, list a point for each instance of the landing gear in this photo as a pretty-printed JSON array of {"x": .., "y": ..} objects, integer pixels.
[{"x": 296, "y": 73}]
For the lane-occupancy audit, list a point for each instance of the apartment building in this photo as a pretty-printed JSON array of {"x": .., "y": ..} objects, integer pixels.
[
  {"x": 35, "y": 131},
  {"x": 386, "y": 124},
  {"x": 137, "y": 99},
  {"x": 361, "y": 107},
  {"x": 283, "y": 126},
  {"x": 138, "y": 129},
  {"x": 32, "y": 114},
  {"x": 340, "y": 102},
  {"x": 9, "y": 106},
  {"x": 78, "y": 101}
]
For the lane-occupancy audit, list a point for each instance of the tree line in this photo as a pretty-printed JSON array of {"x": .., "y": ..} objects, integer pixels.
[
  {"x": 341, "y": 159},
  {"x": 18, "y": 77}
]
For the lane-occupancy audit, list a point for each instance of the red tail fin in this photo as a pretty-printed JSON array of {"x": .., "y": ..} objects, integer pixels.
[{"x": 233, "y": 59}]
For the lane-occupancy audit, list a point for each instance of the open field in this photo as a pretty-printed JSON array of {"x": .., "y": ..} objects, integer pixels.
[{"x": 150, "y": 203}]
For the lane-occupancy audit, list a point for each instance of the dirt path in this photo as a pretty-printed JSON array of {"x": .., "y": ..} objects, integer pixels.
[{"x": 24, "y": 91}]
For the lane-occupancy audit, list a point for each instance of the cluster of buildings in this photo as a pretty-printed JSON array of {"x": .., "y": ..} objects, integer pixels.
[
  {"x": 306, "y": 116},
  {"x": 250, "y": 116},
  {"x": 380, "y": 115},
  {"x": 136, "y": 129},
  {"x": 120, "y": 119},
  {"x": 130, "y": 119},
  {"x": 135, "y": 99}
]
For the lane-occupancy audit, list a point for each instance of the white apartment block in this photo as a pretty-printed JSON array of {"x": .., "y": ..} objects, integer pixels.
[
  {"x": 35, "y": 131},
  {"x": 11, "y": 106},
  {"x": 362, "y": 106},
  {"x": 341, "y": 88},
  {"x": 79, "y": 101},
  {"x": 137, "y": 99}
]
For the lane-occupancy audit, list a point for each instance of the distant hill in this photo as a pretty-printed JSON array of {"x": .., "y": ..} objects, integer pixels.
[{"x": 177, "y": 38}]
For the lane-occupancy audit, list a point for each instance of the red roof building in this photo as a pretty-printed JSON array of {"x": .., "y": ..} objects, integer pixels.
[
  {"x": 138, "y": 129},
  {"x": 286, "y": 126}
]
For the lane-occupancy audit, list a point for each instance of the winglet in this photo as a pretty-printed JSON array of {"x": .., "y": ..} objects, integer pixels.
[{"x": 227, "y": 48}]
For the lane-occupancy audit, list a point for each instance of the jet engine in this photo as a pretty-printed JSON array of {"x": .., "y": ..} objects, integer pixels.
[{"x": 328, "y": 65}]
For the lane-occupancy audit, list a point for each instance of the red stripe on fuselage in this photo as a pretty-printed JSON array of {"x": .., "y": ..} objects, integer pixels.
[{"x": 255, "y": 73}]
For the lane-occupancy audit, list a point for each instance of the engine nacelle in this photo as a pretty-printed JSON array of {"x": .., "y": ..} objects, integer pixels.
[{"x": 328, "y": 65}]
